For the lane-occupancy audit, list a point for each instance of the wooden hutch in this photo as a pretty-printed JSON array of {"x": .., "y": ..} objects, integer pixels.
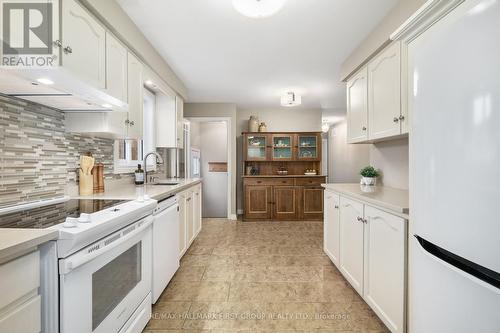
[{"x": 275, "y": 184}]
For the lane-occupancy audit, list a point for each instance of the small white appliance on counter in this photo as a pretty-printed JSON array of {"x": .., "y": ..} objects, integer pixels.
[
  {"x": 454, "y": 271},
  {"x": 96, "y": 278},
  {"x": 165, "y": 244}
]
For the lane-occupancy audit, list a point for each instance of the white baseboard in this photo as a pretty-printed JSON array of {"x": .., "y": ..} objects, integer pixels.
[{"x": 233, "y": 217}]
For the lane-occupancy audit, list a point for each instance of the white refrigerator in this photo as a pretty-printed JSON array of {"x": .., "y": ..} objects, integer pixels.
[{"x": 454, "y": 100}]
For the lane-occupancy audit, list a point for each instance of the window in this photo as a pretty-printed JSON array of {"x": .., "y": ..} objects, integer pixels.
[{"x": 128, "y": 153}]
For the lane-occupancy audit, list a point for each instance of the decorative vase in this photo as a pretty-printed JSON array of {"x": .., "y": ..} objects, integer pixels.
[
  {"x": 253, "y": 124},
  {"x": 370, "y": 181},
  {"x": 262, "y": 127}
]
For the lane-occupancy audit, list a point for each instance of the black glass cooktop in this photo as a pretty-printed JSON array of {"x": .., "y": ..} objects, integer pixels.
[{"x": 49, "y": 215}]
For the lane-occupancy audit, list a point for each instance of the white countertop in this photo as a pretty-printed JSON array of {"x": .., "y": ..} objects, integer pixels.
[
  {"x": 16, "y": 242},
  {"x": 387, "y": 198},
  {"x": 129, "y": 191}
]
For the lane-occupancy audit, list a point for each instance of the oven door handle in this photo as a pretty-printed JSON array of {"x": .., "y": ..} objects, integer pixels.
[{"x": 103, "y": 246}]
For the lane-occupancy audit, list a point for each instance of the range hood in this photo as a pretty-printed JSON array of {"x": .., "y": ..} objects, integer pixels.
[{"x": 65, "y": 94}]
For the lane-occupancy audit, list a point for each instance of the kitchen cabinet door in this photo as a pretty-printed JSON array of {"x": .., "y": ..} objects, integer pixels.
[
  {"x": 179, "y": 111},
  {"x": 331, "y": 226},
  {"x": 309, "y": 147},
  {"x": 285, "y": 202},
  {"x": 256, "y": 147},
  {"x": 384, "y": 93},
  {"x": 84, "y": 44},
  {"x": 357, "y": 107},
  {"x": 189, "y": 218},
  {"x": 258, "y": 202},
  {"x": 351, "y": 242},
  {"x": 116, "y": 68},
  {"x": 197, "y": 209},
  {"x": 385, "y": 266},
  {"x": 282, "y": 148},
  {"x": 182, "y": 225},
  {"x": 135, "y": 89},
  {"x": 311, "y": 203}
]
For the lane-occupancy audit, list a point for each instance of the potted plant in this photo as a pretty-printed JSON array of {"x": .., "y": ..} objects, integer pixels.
[{"x": 369, "y": 175}]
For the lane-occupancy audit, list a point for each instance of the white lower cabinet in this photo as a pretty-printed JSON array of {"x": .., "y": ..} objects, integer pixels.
[
  {"x": 372, "y": 255},
  {"x": 351, "y": 242},
  {"x": 385, "y": 262},
  {"x": 20, "y": 304},
  {"x": 331, "y": 227},
  {"x": 189, "y": 217}
]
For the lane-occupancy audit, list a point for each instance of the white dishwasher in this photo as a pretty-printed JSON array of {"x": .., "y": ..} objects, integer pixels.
[{"x": 165, "y": 244}]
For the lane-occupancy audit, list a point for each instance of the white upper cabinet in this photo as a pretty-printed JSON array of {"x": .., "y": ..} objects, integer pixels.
[
  {"x": 384, "y": 94},
  {"x": 385, "y": 266},
  {"x": 351, "y": 242},
  {"x": 135, "y": 97},
  {"x": 179, "y": 109},
  {"x": 116, "y": 68},
  {"x": 357, "y": 107},
  {"x": 331, "y": 225},
  {"x": 83, "y": 44}
]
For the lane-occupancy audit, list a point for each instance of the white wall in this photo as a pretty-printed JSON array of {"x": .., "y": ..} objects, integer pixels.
[
  {"x": 345, "y": 160},
  {"x": 219, "y": 110},
  {"x": 277, "y": 120},
  {"x": 194, "y": 132},
  {"x": 213, "y": 146},
  {"x": 391, "y": 157}
]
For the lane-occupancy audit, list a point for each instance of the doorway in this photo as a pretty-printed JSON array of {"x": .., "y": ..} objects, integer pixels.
[{"x": 210, "y": 142}]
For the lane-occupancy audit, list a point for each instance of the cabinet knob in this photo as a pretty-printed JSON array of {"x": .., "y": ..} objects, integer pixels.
[
  {"x": 336, "y": 206},
  {"x": 57, "y": 43},
  {"x": 68, "y": 50},
  {"x": 132, "y": 123},
  {"x": 364, "y": 128},
  {"x": 396, "y": 119},
  {"x": 401, "y": 117},
  {"x": 127, "y": 121}
]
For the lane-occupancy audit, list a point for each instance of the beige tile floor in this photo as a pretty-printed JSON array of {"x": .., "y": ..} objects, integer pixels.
[{"x": 260, "y": 277}]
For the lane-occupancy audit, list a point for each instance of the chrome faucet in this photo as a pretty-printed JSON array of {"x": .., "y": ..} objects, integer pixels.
[{"x": 159, "y": 160}]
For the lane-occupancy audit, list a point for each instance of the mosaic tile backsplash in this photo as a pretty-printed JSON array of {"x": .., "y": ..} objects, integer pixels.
[{"x": 38, "y": 159}]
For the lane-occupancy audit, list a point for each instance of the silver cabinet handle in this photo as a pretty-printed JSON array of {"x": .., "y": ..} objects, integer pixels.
[
  {"x": 396, "y": 119},
  {"x": 364, "y": 128},
  {"x": 57, "y": 43},
  {"x": 68, "y": 50},
  {"x": 401, "y": 117},
  {"x": 132, "y": 123},
  {"x": 359, "y": 219},
  {"x": 336, "y": 206}
]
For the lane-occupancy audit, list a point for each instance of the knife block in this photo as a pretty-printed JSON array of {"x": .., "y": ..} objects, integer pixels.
[{"x": 86, "y": 183}]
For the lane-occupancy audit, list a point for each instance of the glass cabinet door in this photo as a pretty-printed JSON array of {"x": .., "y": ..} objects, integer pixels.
[
  {"x": 307, "y": 147},
  {"x": 256, "y": 147},
  {"x": 282, "y": 147}
]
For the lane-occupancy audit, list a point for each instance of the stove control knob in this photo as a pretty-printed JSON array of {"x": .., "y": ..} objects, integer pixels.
[
  {"x": 70, "y": 223},
  {"x": 84, "y": 218}
]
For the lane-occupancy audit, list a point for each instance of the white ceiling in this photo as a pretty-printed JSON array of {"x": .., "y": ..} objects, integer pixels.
[{"x": 222, "y": 56}]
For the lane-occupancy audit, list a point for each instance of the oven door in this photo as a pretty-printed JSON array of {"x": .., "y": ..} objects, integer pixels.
[{"x": 102, "y": 285}]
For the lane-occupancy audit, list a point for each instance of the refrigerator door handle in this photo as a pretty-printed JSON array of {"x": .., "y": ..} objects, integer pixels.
[{"x": 485, "y": 274}]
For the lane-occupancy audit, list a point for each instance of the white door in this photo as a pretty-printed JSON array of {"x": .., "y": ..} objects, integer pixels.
[
  {"x": 385, "y": 267},
  {"x": 189, "y": 218},
  {"x": 135, "y": 89},
  {"x": 116, "y": 68},
  {"x": 197, "y": 209},
  {"x": 384, "y": 93},
  {"x": 179, "y": 111},
  {"x": 332, "y": 227},
  {"x": 84, "y": 44},
  {"x": 351, "y": 242},
  {"x": 357, "y": 107},
  {"x": 182, "y": 224}
]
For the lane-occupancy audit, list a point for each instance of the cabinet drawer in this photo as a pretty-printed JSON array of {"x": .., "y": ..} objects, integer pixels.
[
  {"x": 26, "y": 318},
  {"x": 18, "y": 278},
  {"x": 270, "y": 181},
  {"x": 309, "y": 181}
]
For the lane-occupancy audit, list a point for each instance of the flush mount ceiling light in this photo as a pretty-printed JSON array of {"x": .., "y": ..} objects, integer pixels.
[
  {"x": 44, "y": 80},
  {"x": 291, "y": 99},
  {"x": 258, "y": 8}
]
